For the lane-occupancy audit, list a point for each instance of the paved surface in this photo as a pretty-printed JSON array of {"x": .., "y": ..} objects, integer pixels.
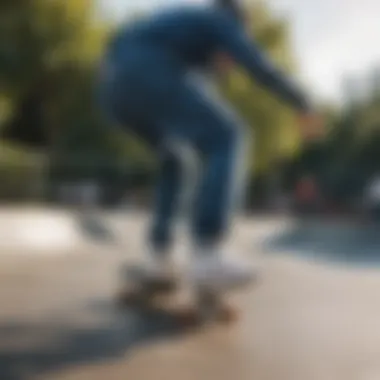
[{"x": 304, "y": 320}]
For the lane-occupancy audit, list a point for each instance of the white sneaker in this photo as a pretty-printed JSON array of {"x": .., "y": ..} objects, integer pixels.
[{"x": 216, "y": 274}]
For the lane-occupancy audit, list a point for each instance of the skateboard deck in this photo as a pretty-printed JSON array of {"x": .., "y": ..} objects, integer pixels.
[{"x": 188, "y": 308}]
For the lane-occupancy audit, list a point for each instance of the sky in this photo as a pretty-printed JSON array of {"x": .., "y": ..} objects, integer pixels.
[{"x": 332, "y": 39}]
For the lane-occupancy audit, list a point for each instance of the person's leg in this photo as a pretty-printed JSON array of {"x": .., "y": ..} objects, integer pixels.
[
  {"x": 221, "y": 140},
  {"x": 141, "y": 97},
  {"x": 178, "y": 171},
  {"x": 205, "y": 120},
  {"x": 166, "y": 202},
  {"x": 173, "y": 107},
  {"x": 221, "y": 187}
]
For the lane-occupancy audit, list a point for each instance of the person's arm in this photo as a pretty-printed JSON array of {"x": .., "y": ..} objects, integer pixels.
[{"x": 233, "y": 39}]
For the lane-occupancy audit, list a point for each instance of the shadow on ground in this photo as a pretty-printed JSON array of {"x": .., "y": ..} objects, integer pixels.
[
  {"x": 338, "y": 243},
  {"x": 66, "y": 346}
]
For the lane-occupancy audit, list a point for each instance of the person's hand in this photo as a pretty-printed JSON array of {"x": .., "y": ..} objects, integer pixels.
[{"x": 311, "y": 126}]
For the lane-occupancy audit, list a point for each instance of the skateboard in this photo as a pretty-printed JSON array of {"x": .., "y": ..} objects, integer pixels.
[{"x": 171, "y": 296}]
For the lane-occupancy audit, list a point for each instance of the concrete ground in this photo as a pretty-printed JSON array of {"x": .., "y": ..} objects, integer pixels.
[{"x": 313, "y": 315}]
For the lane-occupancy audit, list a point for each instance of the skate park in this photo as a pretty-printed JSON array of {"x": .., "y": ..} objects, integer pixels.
[
  {"x": 76, "y": 193},
  {"x": 312, "y": 315}
]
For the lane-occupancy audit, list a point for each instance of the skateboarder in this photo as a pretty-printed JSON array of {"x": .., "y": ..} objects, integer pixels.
[{"x": 150, "y": 85}]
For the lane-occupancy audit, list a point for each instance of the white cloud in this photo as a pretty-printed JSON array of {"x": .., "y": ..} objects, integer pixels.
[{"x": 334, "y": 39}]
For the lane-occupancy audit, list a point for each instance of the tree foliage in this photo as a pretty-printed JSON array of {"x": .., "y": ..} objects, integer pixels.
[{"x": 346, "y": 160}]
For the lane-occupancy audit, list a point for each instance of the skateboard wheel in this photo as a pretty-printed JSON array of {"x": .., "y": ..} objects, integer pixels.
[
  {"x": 142, "y": 297},
  {"x": 129, "y": 298},
  {"x": 161, "y": 287},
  {"x": 187, "y": 318},
  {"x": 228, "y": 315},
  {"x": 192, "y": 317}
]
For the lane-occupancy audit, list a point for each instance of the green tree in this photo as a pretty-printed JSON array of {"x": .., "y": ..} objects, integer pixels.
[{"x": 48, "y": 52}]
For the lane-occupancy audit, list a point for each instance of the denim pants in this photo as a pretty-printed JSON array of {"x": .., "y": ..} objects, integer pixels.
[{"x": 200, "y": 143}]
